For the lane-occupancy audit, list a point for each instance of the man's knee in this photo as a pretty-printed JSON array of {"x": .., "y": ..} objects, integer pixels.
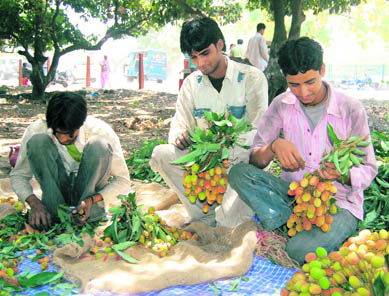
[
  {"x": 39, "y": 141},
  {"x": 236, "y": 172},
  {"x": 163, "y": 153},
  {"x": 98, "y": 147}
]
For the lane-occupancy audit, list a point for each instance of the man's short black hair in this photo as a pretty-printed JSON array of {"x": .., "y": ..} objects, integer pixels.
[
  {"x": 300, "y": 55},
  {"x": 66, "y": 111},
  {"x": 199, "y": 33},
  {"x": 261, "y": 26},
  {"x": 240, "y": 41}
]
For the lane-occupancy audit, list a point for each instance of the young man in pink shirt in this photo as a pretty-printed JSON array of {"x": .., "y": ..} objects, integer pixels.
[{"x": 302, "y": 114}]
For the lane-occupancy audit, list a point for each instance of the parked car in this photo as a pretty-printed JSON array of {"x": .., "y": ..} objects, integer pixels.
[{"x": 154, "y": 65}]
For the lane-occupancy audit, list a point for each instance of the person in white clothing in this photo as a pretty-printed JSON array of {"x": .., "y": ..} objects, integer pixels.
[
  {"x": 257, "y": 52},
  {"x": 73, "y": 156},
  {"x": 219, "y": 85}
]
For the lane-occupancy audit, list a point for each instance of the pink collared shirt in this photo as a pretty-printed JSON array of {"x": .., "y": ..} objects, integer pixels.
[{"x": 348, "y": 118}]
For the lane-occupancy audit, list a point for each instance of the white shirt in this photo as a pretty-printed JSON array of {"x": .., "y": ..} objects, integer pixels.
[
  {"x": 257, "y": 52},
  {"x": 244, "y": 92},
  {"x": 22, "y": 174}
]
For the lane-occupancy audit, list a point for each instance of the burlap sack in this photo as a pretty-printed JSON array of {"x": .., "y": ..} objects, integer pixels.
[
  {"x": 219, "y": 253},
  {"x": 6, "y": 209}
]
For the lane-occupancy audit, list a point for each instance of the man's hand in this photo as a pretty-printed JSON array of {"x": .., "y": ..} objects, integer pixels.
[
  {"x": 39, "y": 217},
  {"x": 183, "y": 141},
  {"x": 328, "y": 172},
  {"x": 82, "y": 212},
  {"x": 288, "y": 155}
]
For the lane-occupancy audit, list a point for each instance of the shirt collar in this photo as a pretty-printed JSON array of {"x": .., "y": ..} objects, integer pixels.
[
  {"x": 230, "y": 69},
  {"x": 229, "y": 72},
  {"x": 82, "y": 139},
  {"x": 332, "y": 103}
]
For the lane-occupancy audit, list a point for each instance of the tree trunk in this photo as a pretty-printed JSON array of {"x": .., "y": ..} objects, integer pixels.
[
  {"x": 276, "y": 80},
  {"x": 38, "y": 81},
  {"x": 298, "y": 18}
]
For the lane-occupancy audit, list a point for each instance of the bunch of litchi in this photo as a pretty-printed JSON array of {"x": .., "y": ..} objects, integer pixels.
[
  {"x": 359, "y": 267},
  {"x": 208, "y": 187},
  {"x": 160, "y": 245},
  {"x": 314, "y": 204}
]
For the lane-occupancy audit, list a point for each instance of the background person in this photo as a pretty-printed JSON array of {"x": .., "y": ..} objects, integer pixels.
[
  {"x": 105, "y": 70},
  {"x": 302, "y": 113},
  {"x": 237, "y": 51},
  {"x": 26, "y": 72},
  {"x": 220, "y": 85},
  {"x": 72, "y": 156},
  {"x": 257, "y": 52}
]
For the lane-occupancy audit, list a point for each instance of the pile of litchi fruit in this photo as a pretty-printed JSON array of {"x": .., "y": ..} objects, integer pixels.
[
  {"x": 314, "y": 204},
  {"x": 9, "y": 270},
  {"x": 12, "y": 201},
  {"x": 208, "y": 187},
  {"x": 359, "y": 267}
]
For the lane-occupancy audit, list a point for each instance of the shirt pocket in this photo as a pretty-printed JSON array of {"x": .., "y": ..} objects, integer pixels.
[
  {"x": 199, "y": 112},
  {"x": 237, "y": 111}
]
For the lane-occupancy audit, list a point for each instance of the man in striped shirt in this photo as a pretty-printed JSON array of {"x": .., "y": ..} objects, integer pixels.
[{"x": 302, "y": 114}]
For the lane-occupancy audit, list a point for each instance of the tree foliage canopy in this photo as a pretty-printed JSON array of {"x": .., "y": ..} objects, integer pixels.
[
  {"x": 39, "y": 26},
  {"x": 294, "y": 8}
]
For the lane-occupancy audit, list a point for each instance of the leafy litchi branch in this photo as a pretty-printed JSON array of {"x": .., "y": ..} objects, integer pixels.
[{"x": 210, "y": 146}]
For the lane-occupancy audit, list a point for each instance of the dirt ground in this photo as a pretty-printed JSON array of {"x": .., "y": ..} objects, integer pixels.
[{"x": 135, "y": 115}]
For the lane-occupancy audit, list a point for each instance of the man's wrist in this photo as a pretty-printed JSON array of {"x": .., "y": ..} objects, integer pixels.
[
  {"x": 271, "y": 146},
  {"x": 32, "y": 200},
  {"x": 96, "y": 198}
]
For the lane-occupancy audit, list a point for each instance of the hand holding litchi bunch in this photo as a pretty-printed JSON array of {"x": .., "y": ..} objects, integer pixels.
[
  {"x": 313, "y": 196},
  {"x": 314, "y": 199},
  {"x": 358, "y": 268},
  {"x": 205, "y": 177}
]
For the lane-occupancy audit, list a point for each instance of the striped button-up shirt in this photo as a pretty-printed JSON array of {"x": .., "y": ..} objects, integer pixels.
[{"x": 348, "y": 118}]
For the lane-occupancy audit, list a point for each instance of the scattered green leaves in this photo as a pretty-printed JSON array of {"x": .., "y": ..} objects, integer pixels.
[
  {"x": 376, "y": 204},
  {"x": 138, "y": 163}
]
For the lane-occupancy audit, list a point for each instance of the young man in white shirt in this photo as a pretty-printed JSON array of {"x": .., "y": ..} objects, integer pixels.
[{"x": 219, "y": 85}]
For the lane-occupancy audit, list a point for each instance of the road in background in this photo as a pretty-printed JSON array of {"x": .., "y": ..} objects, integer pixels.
[{"x": 119, "y": 81}]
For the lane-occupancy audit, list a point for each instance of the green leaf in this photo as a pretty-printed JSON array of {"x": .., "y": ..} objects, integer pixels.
[
  {"x": 126, "y": 257},
  {"x": 208, "y": 147},
  {"x": 379, "y": 285},
  {"x": 188, "y": 157},
  {"x": 116, "y": 210},
  {"x": 223, "y": 123},
  {"x": 115, "y": 231},
  {"x": 123, "y": 246},
  {"x": 383, "y": 183},
  {"x": 215, "y": 288},
  {"x": 242, "y": 126},
  {"x": 225, "y": 153},
  {"x": 135, "y": 227},
  {"x": 331, "y": 133},
  {"x": 39, "y": 279}
]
